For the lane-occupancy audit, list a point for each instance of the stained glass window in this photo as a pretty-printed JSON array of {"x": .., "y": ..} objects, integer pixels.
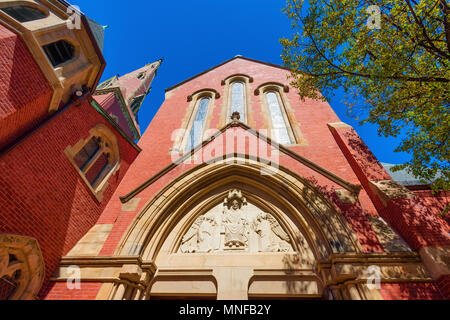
[
  {"x": 195, "y": 135},
  {"x": 279, "y": 129},
  {"x": 238, "y": 100}
]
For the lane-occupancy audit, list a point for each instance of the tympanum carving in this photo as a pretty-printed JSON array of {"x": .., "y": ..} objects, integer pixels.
[{"x": 236, "y": 226}]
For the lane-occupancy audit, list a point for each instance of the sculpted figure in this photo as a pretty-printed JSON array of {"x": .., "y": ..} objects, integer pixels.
[
  {"x": 235, "y": 224},
  {"x": 199, "y": 236},
  {"x": 272, "y": 236}
]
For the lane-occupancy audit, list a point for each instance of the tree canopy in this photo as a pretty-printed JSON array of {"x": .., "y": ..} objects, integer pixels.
[{"x": 392, "y": 59}]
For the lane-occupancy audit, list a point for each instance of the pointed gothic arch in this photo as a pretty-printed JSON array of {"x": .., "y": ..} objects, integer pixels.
[
  {"x": 312, "y": 209},
  {"x": 315, "y": 226}
]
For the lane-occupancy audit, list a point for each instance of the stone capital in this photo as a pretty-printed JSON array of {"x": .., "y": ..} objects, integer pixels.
[{"x": 131, "y": 272}]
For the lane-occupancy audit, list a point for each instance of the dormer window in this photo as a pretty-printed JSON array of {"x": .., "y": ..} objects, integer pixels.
[
  {"x": 59, "y": 52},
  {"x": 24, "y": 13}
]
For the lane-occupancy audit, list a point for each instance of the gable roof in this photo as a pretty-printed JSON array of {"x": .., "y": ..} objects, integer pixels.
[{"x": 223, "y": 63}]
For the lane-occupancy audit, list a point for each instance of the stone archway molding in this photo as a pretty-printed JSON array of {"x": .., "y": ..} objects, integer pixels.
[{"x": 327, "y": 228}]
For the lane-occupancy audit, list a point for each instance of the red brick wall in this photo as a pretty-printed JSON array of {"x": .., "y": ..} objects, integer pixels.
[
  {"x": 24, "y": 92},
  {"x": 418, "y": 224},
  {"x": 417, "y": 220},
  {"x": 435, "y": 202},
  {"x": 410, "y": 291},
  {"x": 59, "y": 291},
  {"x": 41, "y": 193}
]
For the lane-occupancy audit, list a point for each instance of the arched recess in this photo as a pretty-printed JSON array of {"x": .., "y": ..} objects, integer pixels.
[
  {"x": 182, "y": 135},
  {"x": 21, "y": 267},
  {"x": 315, "y": 227},
  {"x": 227, "y": 110}
]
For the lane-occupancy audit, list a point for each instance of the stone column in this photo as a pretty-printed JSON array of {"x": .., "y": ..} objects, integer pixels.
[
  {"x": 232, "y": 282},
  {"x": 130, "y": 273},
  {"x": 118, "y": 295}
]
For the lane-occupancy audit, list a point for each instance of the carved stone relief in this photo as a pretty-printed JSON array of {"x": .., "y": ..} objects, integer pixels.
[
  {"x": 21, "y": 265},
  {"x": 235, "y": 226}
]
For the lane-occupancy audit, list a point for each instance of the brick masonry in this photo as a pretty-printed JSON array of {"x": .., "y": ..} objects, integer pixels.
[
  {"x": 24, "y": 91},
  {"x": 41, "y": 193}
]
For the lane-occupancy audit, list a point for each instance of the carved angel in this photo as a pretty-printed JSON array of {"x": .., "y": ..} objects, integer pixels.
[
  {"x": 199, "y": 237},
  {"x": 272, "y": 236}
]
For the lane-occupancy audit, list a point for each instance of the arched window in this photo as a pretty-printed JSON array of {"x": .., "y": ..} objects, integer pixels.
[
  {"x": 24, "y": 13},
  {"x": 96, "y": 158},
  {"x": 279, "y": 127},
  {"x": 196, "y": 130},
  {"x": 237, "y": 95},
  {"x": 59, "y": 52},
  {"x": 238, "y": 99}
]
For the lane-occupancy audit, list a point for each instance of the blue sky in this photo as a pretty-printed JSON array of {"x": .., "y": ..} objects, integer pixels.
[{"x": 195, "y": 35}]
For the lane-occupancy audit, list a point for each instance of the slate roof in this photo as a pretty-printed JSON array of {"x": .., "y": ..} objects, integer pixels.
[
  {"x": 98, "y": 31},
  {"x": 402, "y": 176}
]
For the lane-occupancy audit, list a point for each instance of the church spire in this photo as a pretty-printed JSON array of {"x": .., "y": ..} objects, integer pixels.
[
  {"x": 130, "y": 91},
  {"x": 136, "y": 85}
]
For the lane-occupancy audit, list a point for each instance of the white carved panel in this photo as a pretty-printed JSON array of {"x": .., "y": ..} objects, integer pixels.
[{"x": 235, "y": 226}]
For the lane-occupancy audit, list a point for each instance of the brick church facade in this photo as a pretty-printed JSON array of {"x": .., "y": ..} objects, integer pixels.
[{"x": 236, "y": 190}]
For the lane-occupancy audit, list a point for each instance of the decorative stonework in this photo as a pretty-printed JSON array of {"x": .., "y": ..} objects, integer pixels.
[
  {"x": 346, "y": 196},
  {"x": 21, "y": 264},
  {"x": 238, "y": 227}
]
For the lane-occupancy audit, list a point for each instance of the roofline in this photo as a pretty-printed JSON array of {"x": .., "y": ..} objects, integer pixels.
[
  {"x": 225, "y": 62},
  {"x": 113, "y": 123},
  {"x": 123, "y": 106}
]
